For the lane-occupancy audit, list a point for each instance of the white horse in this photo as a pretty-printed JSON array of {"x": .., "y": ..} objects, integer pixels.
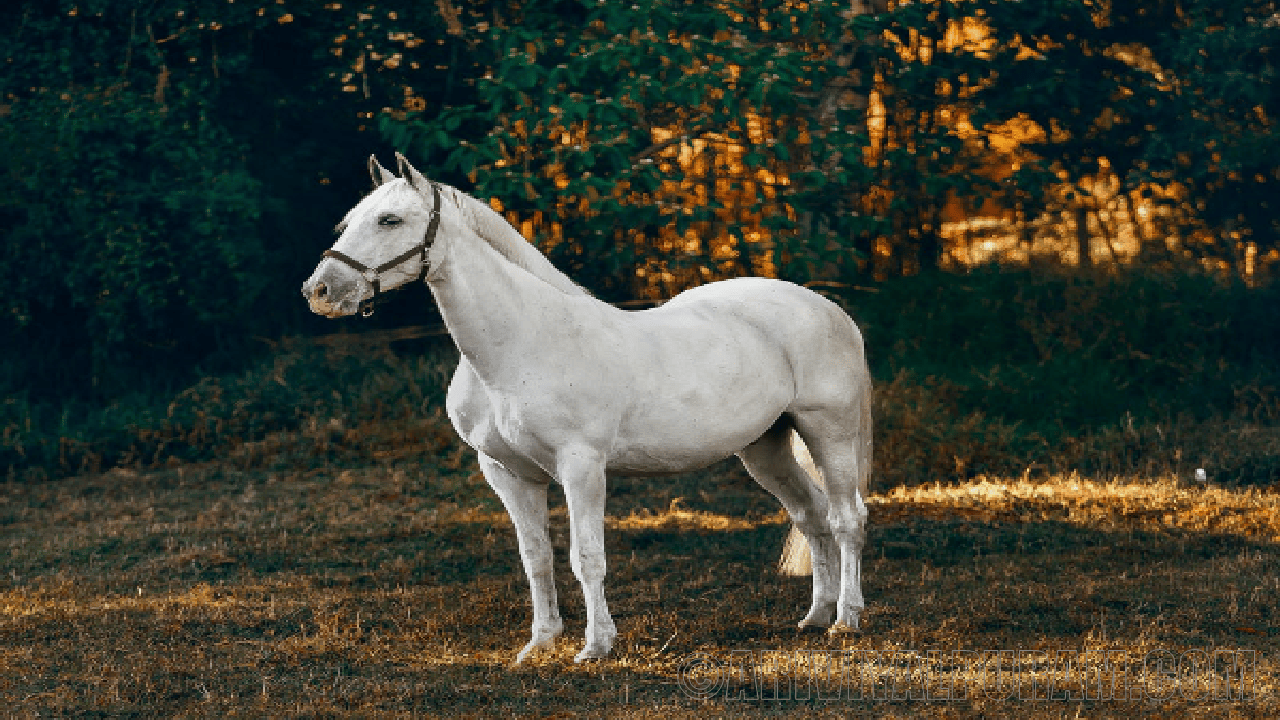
[{"x": 554, "y": 385}]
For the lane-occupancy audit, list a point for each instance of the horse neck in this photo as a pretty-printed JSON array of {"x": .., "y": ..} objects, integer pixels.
[
  {"x": 493, "y": 308},
  {"x": 505, "y": 239}
]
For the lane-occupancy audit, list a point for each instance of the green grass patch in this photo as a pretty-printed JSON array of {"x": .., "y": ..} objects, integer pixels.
[
  {"x": 301, "y": 406},
  {"x": 987, "y": 372},
  {"x": 1105, "y": 372}
]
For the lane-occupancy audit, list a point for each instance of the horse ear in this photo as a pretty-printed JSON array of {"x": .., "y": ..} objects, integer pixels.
[
  {"x": 379, "y": 174},
  {"x": 407, "y": 172}
]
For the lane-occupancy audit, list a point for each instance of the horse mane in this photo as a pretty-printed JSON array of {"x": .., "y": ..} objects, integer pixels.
[{"x": 501, "y": 236}]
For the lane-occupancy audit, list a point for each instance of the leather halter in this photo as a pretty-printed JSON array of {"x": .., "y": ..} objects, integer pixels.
[{"x": 371, "y": 275}]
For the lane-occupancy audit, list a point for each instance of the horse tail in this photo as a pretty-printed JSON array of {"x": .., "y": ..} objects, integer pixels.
[{"x": 796, "y": 560}]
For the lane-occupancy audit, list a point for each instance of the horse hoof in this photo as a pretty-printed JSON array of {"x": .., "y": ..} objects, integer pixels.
[
  {"x": 843, "y": 628},
  {"x": 590, "y": 653},
  {"x": 819, "y": 616},
  {"x": 534, "y": 646}
]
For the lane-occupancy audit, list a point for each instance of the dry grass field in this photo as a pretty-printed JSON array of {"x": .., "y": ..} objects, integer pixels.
[{"x": 387, "y": 591}]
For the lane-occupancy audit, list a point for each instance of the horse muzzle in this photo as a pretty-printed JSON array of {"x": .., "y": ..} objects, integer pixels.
[{"x": 330, "y": 298}]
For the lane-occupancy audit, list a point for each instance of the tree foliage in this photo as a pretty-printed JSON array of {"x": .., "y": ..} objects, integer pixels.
[
  {"x": 173, "y": 166},
  {"x": 734, "y": 137},
  {"x": 1216, "y": 130},
  {"x": 615, "y": 121}
]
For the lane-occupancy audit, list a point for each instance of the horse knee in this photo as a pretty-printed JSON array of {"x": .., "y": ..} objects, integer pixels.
[
  {"x": 538, "y": 558},
  {"x": 809, "y": 520},
  {"x": 809, "y": 528},
  {"x": 849, "y": 519},
  {"x": 587, "y": 564}
]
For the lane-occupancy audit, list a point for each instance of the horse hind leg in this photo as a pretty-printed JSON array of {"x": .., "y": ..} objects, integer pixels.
[
  {"x": 840, "y": 442},
  {"x": 771, "y": 462},
  {"x": 796, "y": 560}
]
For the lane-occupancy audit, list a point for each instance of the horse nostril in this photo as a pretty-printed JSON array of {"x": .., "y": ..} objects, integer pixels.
[{"x": 321, "y": 291}]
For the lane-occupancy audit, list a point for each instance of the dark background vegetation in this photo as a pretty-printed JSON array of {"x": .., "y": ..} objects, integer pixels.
[{"x": 171, "y": 171}]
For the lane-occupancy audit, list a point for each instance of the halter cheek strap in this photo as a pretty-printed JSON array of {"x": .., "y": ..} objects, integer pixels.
[{"x": 372, "y": 275}]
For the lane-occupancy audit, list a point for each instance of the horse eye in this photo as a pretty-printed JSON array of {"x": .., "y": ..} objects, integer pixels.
[{"x": 389, "y": 220}]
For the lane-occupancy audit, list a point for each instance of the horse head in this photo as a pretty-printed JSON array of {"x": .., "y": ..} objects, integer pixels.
[{"x": 384, "y": 242}]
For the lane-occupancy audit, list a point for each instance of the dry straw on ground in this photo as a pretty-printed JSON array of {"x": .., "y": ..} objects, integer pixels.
[{"x": 387, "y": 590}]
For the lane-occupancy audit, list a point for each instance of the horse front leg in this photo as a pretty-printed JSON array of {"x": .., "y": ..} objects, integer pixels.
[
  {"x": 581, "y": 472},
  {"x": 526, "y": 503}
]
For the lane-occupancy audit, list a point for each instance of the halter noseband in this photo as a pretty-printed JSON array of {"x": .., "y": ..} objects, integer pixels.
[{"x": 371, "y": 274}]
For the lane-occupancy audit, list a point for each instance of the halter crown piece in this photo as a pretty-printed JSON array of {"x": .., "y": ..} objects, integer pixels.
[{"x": 371, "y": 275}]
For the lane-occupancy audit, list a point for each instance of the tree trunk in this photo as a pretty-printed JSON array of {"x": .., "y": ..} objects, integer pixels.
[
  {"x": 1084, "y": 257},
  {"x": 829, "y": 99}
]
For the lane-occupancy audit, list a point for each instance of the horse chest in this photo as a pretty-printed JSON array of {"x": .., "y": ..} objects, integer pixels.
[{"x": 522, "y": 432}]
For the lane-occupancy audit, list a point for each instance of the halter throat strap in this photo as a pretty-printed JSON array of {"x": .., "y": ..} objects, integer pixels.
[{"x": 373, "y": 275}]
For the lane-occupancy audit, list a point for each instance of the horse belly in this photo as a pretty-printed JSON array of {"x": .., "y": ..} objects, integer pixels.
[
  {"x": 694, "y": 410},
  {"x": 691, "y": 451}
]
